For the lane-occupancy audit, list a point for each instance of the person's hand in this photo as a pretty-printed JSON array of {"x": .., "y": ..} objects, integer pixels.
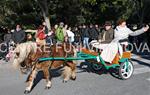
[{"x": 146, "y": 28}]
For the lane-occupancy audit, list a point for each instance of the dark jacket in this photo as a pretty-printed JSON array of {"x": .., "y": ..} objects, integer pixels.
[
  {"x": 85, "y": 33},
  {"x": 8, "y": 37},
  {"x": 77, "y": 36},
  {"x": 93, "y": 33},
  {"x": 19, "y": 36}
]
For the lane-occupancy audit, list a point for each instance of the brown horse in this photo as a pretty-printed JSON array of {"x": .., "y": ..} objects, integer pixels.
[{"x": 62, "y": 50}]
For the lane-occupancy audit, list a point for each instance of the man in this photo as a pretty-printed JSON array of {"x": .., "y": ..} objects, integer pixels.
[
  {"x": 19, "y": 35},
  {"x": 93, "y": 33},
  {"x": 107, "y": 33},
  {"x": 85, "y": 35}
]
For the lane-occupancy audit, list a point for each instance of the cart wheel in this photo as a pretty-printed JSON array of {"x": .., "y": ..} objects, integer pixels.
[
  {"x": 96, "y": 67},
  {"x": 115, "y": 72},
  {"x": 126, "y": 71}
]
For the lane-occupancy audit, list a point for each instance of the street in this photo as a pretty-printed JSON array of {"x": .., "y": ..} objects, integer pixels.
[{"x": 12, "y": 82}]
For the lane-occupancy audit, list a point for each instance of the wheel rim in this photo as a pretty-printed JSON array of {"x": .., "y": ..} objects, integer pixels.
[{"x": 126, "y": 71}]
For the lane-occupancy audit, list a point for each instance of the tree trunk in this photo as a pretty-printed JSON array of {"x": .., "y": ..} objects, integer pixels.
[
  {"x": 44, "y": 7},
  {"x": 47, "y": 20}
]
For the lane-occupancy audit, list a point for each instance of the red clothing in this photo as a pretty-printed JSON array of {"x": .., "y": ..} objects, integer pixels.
[{"x": 41, "y": 35}]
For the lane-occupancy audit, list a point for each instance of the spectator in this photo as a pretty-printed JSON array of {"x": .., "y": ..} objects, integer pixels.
[
  {"x": 85, "y": 35},
  {"x": 98, "y": 29},
  {"x": 40, "y": 35},
  {"x": 50, "y": 37},
  {"x": 4, "y": 50},
  {"x": 65, "y": 30},
  {"x": 60, "y": 33},
  {"x": 93, "y": 33},
  {"x": 77, "y": 35},
  {"x": 19, "y": 35},
  {"x": 70, "y": 35}
]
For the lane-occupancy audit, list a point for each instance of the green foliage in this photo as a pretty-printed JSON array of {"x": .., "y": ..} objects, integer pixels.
[{"x": 71, "y": 11}]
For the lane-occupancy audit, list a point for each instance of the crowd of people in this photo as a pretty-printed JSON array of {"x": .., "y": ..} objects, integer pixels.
[
  {"x": 82, "y": 34},
  {"x": 78, "y": 35}
]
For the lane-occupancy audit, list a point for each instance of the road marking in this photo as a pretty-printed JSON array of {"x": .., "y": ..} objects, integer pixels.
[{"x": 141, "y": 70}]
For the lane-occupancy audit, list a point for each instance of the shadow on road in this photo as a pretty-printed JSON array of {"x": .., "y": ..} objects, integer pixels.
[{"x": 141, "y": 63}]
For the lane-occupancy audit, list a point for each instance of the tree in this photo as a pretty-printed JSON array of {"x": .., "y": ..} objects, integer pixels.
[{"x": 72, "y": 11}]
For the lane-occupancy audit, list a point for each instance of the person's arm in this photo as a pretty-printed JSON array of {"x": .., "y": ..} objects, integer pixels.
[
  {"x": 116, "y": 33},
  {"x": 139, "y": 32},
  {"x": 103, "y": 36},
  {"x": 23, "y": 36}
]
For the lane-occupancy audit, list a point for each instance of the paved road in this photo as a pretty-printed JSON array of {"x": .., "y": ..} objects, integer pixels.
[{"x": 87, "y": 83}]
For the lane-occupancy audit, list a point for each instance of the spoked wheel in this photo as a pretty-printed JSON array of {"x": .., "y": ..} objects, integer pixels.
[{"x": 126, "y": 70}]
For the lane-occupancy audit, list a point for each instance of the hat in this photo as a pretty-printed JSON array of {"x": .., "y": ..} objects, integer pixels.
[{"x": 108, "y": 23}]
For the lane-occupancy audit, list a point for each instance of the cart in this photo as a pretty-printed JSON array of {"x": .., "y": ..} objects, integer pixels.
[{"x": 121, "y": 68}]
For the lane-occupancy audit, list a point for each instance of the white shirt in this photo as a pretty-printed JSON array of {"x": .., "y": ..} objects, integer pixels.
[
  {"x": 70, "y": 35},
  {"x": 122, "y": 32}
]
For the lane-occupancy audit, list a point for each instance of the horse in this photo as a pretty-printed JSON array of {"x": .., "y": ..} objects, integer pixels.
[{"x": 31, "y": 62}]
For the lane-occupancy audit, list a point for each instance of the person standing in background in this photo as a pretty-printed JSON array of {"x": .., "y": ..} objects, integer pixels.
[
  {"x": 40, "y": 35},
  {"x": 18, "y": 35},
  {"x": 85, "y": 35},
  {"x": 70, "y": 35},
  {"x": 60, "y": 33},
  {"x": 93, "y": 33},
  {"x": 77, "y": 36}
]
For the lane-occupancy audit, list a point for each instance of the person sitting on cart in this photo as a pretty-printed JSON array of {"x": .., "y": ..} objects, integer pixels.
[
  {"x": 121, "y": 32},
  {"x": 105, "y": 37},
  {"x": 107, "y": 34}
]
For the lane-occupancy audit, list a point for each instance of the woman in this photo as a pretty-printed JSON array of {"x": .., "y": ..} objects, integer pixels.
[{"x": 121, "y": 34}]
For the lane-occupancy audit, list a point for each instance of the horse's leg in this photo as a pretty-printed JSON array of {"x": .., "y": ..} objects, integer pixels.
[
  {"x": 47, "y": 77},
  {"x": 66, "y": 73},
  {"x": 73, "y": 75},
  {"x": 32, "y": 76},
  {"x": 73, "y": 69}
]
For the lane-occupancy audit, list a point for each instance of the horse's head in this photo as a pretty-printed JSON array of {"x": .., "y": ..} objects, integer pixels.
[{"x": 21, "y": 53}]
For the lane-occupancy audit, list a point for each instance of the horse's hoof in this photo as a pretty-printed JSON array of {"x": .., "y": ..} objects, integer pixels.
[
  {"x": 64, "y": 81},
  {"x": 74, "y": 78},
  {"x": 47, "y": 88},
  {"x": 26, "y": 92}
]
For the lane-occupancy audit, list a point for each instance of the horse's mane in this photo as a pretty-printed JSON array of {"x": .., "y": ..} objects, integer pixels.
[{"x": 22, "y": 51}]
